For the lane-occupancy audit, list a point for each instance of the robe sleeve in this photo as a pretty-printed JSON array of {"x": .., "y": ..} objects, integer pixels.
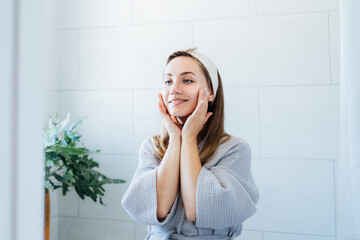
[
  {"x": 226, "y": 194},
  {"x": 140, "y": 199}
]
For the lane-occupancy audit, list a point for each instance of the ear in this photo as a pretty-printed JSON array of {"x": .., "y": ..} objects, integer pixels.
[{"x": 211, "y": 98}]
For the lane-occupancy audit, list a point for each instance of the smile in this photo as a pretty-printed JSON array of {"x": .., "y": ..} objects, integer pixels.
[{"x": 177, "y": 102}]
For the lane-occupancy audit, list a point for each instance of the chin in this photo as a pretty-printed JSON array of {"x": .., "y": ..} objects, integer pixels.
[{"x": 180, "y": 114}]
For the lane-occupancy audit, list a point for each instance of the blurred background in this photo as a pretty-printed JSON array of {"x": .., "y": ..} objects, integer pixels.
[{"x": 280, "y": 65}]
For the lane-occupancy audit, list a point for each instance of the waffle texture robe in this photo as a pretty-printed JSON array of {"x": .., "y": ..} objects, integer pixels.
[{"x": 226, "y": 195}]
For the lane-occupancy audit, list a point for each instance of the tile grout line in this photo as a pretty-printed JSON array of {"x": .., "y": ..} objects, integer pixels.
[
  {"x": 329, "y": 39},
  {"x": 58, "y": 80},
  {"x": 227, "y": 87},
  {"x": 256, "y": 7},
  {"x": 134, "y": 231},
  {"x": 132, "y": 12},
  {"x": 192, "y": 34},
  {"x": 133, "y": 120},
  {"x": 199, "y": 20},
  {"x": 259, "y": 109},
  {"x": 78, "y": 210},
  {"x": 335, "y": 198},
  {"x": 96, "y": 218},
  {"x": 78, "y": 59},
  {"x": 291, "y": 233},
  {"x": 297, "y": 158}
]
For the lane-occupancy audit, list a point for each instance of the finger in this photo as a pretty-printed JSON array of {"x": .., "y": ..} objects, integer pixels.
[
  {"x": 207, "y": 98},
  {"x": 160, "y": 109},
  {"x": 179, "y": 120},
  {"x": 173, "y": 119},
  {"x": 162, "y": 103},
  {"x": 201, "y": 96},
  {"x": 201, "y": 108},
  {"x": 161, "y": 98},
  {"x": 201, "y": 93}
]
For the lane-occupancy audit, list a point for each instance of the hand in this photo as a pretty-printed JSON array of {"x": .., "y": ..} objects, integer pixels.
[
  {"x": 170, "y": 122},
  {"x": 199, "y": 117}
]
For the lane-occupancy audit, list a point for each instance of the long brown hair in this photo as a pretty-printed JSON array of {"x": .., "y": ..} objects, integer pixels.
[{"x": 212, "y": 134}]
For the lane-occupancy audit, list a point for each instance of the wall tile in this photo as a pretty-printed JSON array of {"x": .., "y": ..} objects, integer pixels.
[
  {"x": 129, "y": 57},
  {"x": 50, "y": 106},
  {"x": 295, "y": 6},
  {"x": 67, "y": 205},
  {"x": 110, "y": 120},
  {"x": 296, "y": 196},
  {"x": 94, "y": 13},
  {"x": 176, "y": 10},
  {"x": 279, "y": 236},
  {"x": 51, "y": 15},
  {"x": 51, "y": 58},
  {"x": 140, "y": 231},
  {"x": 146, "y": 116},
  {"x": 54, "y": 228},
  {"x": 273, "y": 50},
  {"x": 334, "y": 22},
  {"x": 113, "y": 166},
  {"x": 250, "y": 235},
  {"x": 242, "y": 115},
  {"x": 92, "y": 229},
  {"x": 60, "y": 59},
  {"x": 68, "y": 74},
  {"x": 54, "y": 203},
  {"x": 336, "y": 187},
  {"x": 300, "y": 122}
]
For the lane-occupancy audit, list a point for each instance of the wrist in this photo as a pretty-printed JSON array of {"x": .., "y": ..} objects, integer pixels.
[
  {"x": 189, "y": 138},
  {"x": 174, "y": 138}
]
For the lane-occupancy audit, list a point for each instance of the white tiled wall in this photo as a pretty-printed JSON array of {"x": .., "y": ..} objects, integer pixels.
[
  {"x": 268, "y": 50},
  {"x": 279, "y": 62}
]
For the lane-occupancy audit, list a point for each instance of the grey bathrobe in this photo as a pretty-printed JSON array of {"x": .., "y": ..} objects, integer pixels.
[{"x": 226, "y": 195}]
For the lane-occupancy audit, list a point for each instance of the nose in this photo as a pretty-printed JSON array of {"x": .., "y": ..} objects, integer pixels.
[{"x": 175, "y": 88}]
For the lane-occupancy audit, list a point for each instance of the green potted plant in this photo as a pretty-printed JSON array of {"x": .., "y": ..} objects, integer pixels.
[{"x": 68, "y": 165}]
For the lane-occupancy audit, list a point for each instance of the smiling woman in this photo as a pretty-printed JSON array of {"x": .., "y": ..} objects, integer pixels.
[{"x": 195, "y": 180}]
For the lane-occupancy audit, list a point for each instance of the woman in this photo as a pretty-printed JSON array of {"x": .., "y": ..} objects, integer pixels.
[{"x": 193, "y": 180}]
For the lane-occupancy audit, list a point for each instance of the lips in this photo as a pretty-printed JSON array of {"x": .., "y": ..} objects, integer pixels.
[{"x": 177, "y": 100}]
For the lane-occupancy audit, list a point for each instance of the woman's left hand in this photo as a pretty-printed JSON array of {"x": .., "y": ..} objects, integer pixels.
[{"x": 198, "y": 118}]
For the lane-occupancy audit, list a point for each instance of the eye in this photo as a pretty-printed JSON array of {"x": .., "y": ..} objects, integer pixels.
[
  {"x": 188, "y": 80},
  {"x": 167, "y": 82}
]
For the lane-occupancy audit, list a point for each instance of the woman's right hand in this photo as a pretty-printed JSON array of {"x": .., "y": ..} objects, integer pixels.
[{"x": 170, "y": 122}]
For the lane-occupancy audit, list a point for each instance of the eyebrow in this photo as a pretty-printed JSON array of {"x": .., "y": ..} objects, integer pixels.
[{"x": 184, "y": 73}]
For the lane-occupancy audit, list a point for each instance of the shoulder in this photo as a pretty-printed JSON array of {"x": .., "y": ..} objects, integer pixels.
[
  {"x": 231, "y": 151},
  {"x": 235, "y": 144},
  {"x": 146, "y": 145},
  {"x": 146, "y": 149}
]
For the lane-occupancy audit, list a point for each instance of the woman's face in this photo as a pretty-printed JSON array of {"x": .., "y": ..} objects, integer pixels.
[{"x": 183, "y": 78}]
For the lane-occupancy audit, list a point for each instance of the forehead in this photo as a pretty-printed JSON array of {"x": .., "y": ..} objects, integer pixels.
[{"x": 183, "y": 64}]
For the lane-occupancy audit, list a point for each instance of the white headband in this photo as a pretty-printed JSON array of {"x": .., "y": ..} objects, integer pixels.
[{"x": 209, "y": 65}]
